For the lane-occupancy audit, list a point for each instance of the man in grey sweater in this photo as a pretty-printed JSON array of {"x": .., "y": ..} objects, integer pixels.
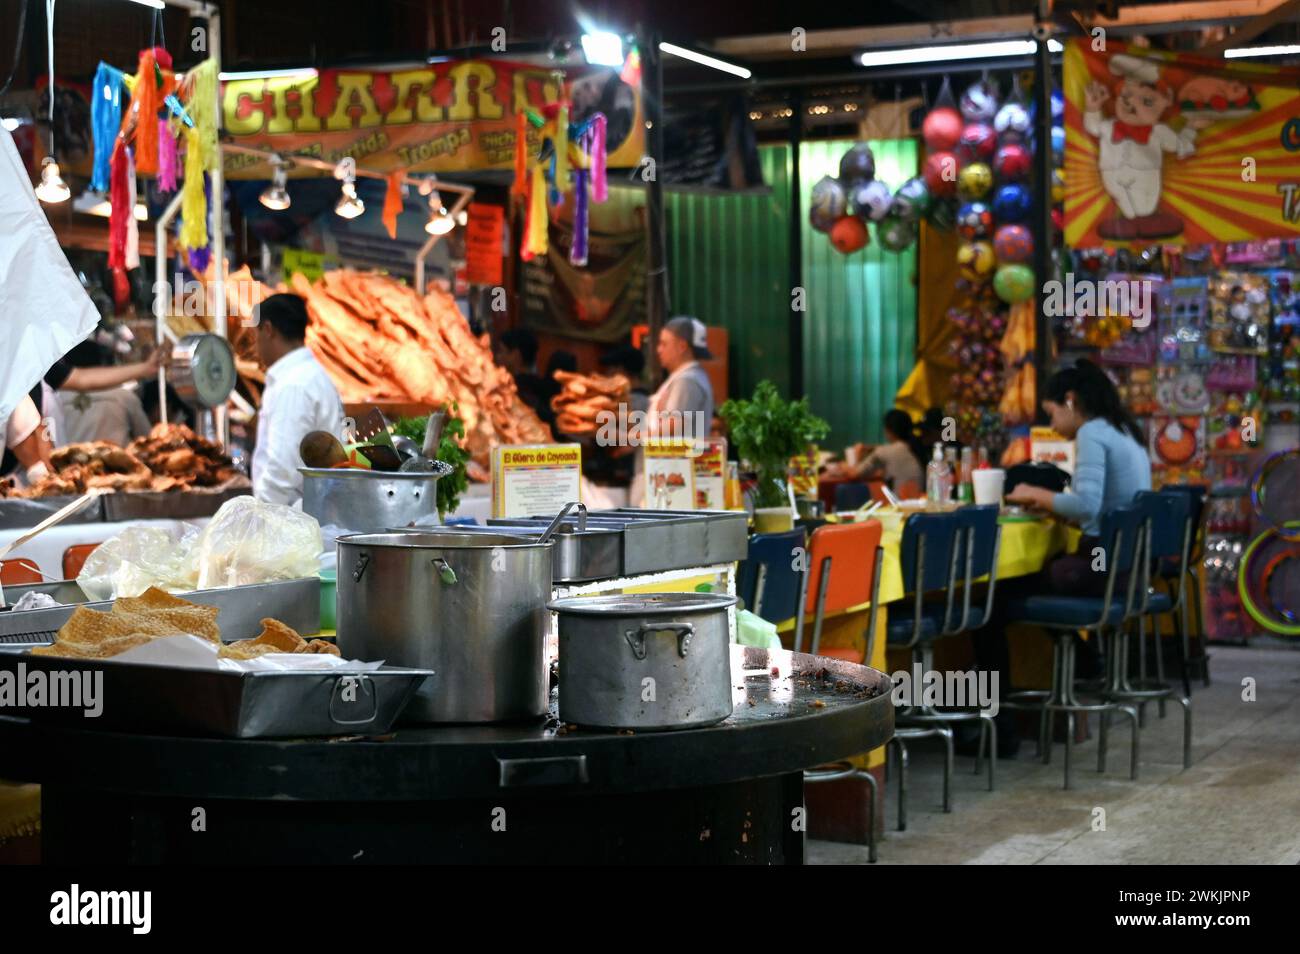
[{"x": 683, "y": 405}]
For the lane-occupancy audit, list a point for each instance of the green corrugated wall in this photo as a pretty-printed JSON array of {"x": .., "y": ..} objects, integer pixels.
[
  {"x": 859, "y": 334},
  {"x": 728, "y": 265}
]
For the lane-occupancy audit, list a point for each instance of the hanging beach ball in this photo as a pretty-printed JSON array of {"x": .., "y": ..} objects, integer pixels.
[
  {"x": 979, "y": 104},
  {"x": 871, "y": 199},
  {"x": 1012, "y": 123},
  {"x": 977, "y": 144},
  {"x": 827, "y": 204},
  {"x": 895, "y": 234},
  {"x": 912, "y": 200},
  {"x": 1013, "y": 244},
  {"x": 940, "y": 174},
  {"x": 1058, "y": 185},
  {"x": 976, "y": 261},
  {"x": 974, "y": 181},
  {"x": 974, "y": 221},
  {"x": 1012, "y": 162},
  {"x": 1012, "y": 203},
  {"x": 1014, "y": 283},
  {"x": 941, "y": 129},
  {"x": 858, "y": 164},
  {"x": 849, "y": 233}
]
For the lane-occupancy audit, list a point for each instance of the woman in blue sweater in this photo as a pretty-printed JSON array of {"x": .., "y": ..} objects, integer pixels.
[{"x": 1111, "y": 466}]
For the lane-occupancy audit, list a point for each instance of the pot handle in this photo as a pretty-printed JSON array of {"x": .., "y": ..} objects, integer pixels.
[
  {"x": 362, "y": 561},
  {"x": 636, "y": 638},
  {"x": 555, "y": 524},
  {"x": 445, "y": 572}
]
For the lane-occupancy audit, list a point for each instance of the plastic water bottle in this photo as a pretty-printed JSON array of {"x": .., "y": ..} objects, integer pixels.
[{"x": 938, "y": 478}]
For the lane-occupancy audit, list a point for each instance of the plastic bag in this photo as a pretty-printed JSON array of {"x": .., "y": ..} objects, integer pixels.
[
  {"x": 753, "y": 630},
  {"x": 329, "y": 557},
  {"x": 249, "y": 541},
  {"x": 141, "y": 557}
]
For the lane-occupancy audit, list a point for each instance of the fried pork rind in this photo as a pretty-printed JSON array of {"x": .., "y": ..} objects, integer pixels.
[
  {"x": 90, "y": 634},
  {"x": 275, "y": 637}
]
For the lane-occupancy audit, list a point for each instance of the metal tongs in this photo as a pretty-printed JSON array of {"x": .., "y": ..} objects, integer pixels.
[{"x": 559, "y": 517}]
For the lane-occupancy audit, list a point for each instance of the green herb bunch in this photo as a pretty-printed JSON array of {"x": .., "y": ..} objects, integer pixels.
[{"x": 767, "y": 431}]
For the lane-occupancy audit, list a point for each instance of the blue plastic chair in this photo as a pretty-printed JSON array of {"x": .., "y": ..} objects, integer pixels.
[
  {"x": 767, "y": 579},
  {"x": 1122, "y": 541},
  {"x": 1190, "y": 610},
  {"x": 851, "y": 496}
]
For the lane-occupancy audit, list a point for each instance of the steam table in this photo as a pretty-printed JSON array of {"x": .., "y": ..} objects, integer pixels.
[{"x": 533, "y": 793}]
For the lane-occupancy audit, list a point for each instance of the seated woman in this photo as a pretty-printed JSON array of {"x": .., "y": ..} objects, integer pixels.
[
  {"x": 1111, "y": 466},
  {"x": 899, "y": 460}
]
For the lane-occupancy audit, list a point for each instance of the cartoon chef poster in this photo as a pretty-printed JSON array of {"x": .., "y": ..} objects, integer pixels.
[{"x": 1165, "y": 148}]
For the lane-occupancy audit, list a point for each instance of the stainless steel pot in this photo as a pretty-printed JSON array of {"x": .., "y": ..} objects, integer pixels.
[
  {"x": 369, "y": 501},
  {"x": 471, "y": 607},
  {"x": 661, "y": 661}
]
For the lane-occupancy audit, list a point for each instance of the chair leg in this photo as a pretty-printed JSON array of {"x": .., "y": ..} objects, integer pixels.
[
  {"x": 1069, "y": 745},
  {"x": 1160, "y": 664},
  {"x": 1186, "y": 703},
  {"x": 947, "y": 768},
  {"x": 989, "y": 731},
  {"x": 1180, "y": 641},
  {"x": 1133, "y": 762},
  {"x": 1101, "y": 741},
  {"x": 902, "y": 782},
  {"x": 1142, "y": 648},
  {"x": 872, "y": 791},
  {"x": 1203, "y": 659}
]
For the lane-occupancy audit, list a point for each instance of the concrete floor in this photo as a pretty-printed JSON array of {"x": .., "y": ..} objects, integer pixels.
[{"x": 1239, "y": 803}]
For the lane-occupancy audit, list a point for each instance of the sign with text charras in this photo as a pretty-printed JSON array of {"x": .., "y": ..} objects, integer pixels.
[
  {"x": 451, "y": 116},
  {"x": 1172, "y": 148}
]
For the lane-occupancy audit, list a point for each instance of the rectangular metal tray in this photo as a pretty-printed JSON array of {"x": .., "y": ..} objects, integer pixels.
[
  {"x": 21, "y": 514},
  {"x": 580, "y": 556},
  {"x": 237, "y": 705},
  {"x": 295, "y": 603},
  {"x": 167, "y": 505}
]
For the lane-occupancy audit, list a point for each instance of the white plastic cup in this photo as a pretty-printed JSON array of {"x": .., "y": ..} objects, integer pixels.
[{"x": 988, "y": 485}]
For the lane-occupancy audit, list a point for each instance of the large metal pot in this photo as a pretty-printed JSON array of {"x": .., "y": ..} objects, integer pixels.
[
  {"x": 471, "y": 607},
  {"x": 644, "y": 662},
  {"x": 369, "y": 501}
]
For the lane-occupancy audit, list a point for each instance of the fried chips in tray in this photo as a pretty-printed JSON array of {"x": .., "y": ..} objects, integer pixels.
[{"x": 328, "y": 696}]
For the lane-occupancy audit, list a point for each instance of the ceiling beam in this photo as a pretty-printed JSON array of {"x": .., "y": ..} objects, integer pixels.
[{"x": 1288, "y": 10}]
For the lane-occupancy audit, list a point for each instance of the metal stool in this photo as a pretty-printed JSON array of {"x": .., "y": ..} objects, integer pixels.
[
  {"x": 919, "y": 732},
  {"x": 833, "y": 771},
  {"x": 1122, "y": 535}
]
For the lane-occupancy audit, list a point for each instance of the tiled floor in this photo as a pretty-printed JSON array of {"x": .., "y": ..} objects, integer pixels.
[{"x": 1238, "y": 803}]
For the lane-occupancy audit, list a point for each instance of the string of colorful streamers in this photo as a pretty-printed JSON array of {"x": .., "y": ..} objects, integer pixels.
[
  {"x": 561, "y": 179},
  {"x": 150, "y": 89},
  {"x": 119, "y": 196},
  {"x": 105, "y": 121},
  {"x": 201, "y": 154},
  {"x": 599, "y": 187},
  {"x": 578, "y": 248},
  {"x": 201, "y": 255},
  {"x": 168, "y": 159}
]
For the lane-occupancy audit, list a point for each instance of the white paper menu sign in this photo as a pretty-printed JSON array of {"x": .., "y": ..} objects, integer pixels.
[
  {"x": 532, "y": 480},
  {"x": 669, "y": 468},
  {"x": 711, "y": 474}
]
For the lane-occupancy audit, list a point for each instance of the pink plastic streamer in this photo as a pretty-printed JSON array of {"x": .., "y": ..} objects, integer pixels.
[
  {"x": 167, "y": 158},
  {"x": 578, "y": 250},
  {"x": 599, "y": 188}
]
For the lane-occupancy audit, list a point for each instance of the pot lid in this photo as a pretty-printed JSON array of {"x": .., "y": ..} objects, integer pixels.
[{"x": 654, "y": 604}]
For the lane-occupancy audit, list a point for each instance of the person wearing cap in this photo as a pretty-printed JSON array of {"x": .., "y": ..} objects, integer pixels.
[
  {"x": 683, "y": 405},
  {"x": 299, "y": 398}
]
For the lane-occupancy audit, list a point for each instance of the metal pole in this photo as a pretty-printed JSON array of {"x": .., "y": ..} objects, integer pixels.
[
  {"x": 656, "y": 267},
  {"x": 795, "y": 242},
  {"x": 1043, "y": 232},
  {"x": 162, "y": 294}
]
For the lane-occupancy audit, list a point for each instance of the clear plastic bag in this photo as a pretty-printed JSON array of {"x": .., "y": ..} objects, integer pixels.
[
  {"x": 141, "y": 557},
  {"x": 249, "y": 541}
]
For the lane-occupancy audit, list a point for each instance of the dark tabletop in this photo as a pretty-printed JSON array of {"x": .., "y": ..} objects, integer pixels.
[{"x": 815, "y": 710}]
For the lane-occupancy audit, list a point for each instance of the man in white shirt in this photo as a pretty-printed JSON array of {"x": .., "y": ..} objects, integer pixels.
[
  {"x": 683, "y": 405},
  {"x": 299, "y": 397}
]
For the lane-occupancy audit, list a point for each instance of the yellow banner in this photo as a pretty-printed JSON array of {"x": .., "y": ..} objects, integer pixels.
[
  {"x": 445, "y": 117},
  {"x": 1178, "y": 149}
]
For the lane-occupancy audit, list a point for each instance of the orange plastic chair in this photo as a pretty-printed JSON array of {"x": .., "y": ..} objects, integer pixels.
[
  {"x": 843, "y": 571},
  {"x": 877, "y": 490},
  {"x": 18, "y": 572},
  {"x": 908, "y": 490},
  {"x": 74, "y": 558}
]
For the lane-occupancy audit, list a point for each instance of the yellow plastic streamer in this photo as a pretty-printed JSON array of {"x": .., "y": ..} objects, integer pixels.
[
  {"x": 536, "y": 241},
  {"x": 201, "y": 154},
  {"x": 562, "y": 149}
]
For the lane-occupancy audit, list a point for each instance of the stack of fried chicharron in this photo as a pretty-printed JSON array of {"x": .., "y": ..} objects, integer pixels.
[{"x": 584, "y": 398}]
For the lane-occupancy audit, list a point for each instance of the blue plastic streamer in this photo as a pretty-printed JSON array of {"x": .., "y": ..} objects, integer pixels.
[{"x": 105, "y": 121}]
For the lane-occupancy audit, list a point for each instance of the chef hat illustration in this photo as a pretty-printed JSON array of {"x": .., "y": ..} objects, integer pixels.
[{"x": 1144, "y": 71}]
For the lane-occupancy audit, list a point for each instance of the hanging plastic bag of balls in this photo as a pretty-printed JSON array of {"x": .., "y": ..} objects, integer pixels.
[
  {"x": 895, "y": 234},
  {"x": 849, "y": 234},
  {"x": 942, "y": 126},
  {"x": 857, "y": 165},
  {"x": 912, "y": 200},
  {"x": 827, "y": 204},
  {"x": 871, "y": 200},
  {"x": 974, "y": 181},
  {"x": 979, "y": 103},
  {"x": 940, "y": 174}
]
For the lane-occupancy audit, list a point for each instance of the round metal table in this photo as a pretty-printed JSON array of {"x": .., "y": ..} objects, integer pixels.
[{"x": 533, "y": 793}]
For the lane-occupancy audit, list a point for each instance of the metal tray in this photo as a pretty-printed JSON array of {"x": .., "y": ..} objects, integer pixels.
[
  {"x": 167, "y": 504},
  {"x": 295, "y": 603},
  {"x": 236, "y": 705},
  {"x": 580, "y": 556},
  {"x": 20, "y": 514}
]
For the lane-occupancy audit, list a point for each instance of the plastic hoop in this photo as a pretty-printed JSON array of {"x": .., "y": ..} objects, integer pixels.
[{"x": 1243, "y": 590}]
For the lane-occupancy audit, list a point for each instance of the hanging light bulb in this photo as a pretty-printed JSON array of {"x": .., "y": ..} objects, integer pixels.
[
  {"x": 52, "y": 187},
  {"x": 276, "y": 196},
  {"x": 349, "y": 205},
  {"x": 440, "y": 220}
]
